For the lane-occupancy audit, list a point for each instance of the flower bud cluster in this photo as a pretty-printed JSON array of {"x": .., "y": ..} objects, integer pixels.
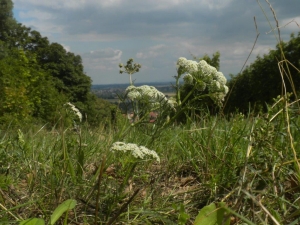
[
  {"x": 129, "y": 68},
  {"x": 204, "y": 76},
  {"x": 139, "y": 152}
]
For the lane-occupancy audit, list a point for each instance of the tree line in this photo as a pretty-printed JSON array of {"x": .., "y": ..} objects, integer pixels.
[
  {"x": 38, "y": 77},
  {"x": 266, "y": 78}
]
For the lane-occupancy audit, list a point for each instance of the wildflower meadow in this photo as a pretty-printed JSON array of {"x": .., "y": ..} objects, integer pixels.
[{"x": 192, "y": 164}]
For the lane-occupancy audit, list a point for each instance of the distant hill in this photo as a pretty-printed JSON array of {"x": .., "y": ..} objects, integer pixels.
[
  {"x": 110, "y": 91},
  {"x": 123, "y": 86}
]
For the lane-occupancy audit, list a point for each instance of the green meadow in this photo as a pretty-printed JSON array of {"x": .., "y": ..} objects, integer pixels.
[{"x": 248, "y": 163}]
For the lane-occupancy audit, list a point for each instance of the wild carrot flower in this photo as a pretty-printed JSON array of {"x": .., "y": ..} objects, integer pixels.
[
  {"x": 139, "y": 152},
  {"x": 204, "y": 77},
  {"x": 148, "y": 94}
]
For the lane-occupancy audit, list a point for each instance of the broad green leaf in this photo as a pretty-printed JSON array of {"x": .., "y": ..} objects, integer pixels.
[
  {"x": 212, "y": 215},
  {"x": 63, "y": 207},
  {"x": 32, "y": 221}
]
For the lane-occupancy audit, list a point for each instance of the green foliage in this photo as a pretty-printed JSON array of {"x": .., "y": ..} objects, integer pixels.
[
  {"x": 182, "y": 215},
  {"x": 7, "y": 22},
  {"x": 27, "y": 90}
]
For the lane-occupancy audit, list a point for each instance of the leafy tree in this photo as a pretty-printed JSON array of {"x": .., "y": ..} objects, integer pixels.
[
  {"x": 6, "y": 18},
  {"x": 67, "y": 71},
  {"x": 260, "y": 82},
  {"x": 213, "y": 61}
]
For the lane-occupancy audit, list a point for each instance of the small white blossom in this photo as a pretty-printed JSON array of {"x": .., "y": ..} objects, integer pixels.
[
  {"x": 226, "y": 89},
  {"x": 221, "y": 78},
  {"x": 215, "y": 86},
  {"x": 172, "y": 102},
  {"x": 181, "y": 61},
  {"x": 139, "y": 152},
  {"x": 133, "y": 93},
  {"x": 75, "y": 111},
  {"x": 191, "y": 66},
  {"x": 204, "y": 68}
]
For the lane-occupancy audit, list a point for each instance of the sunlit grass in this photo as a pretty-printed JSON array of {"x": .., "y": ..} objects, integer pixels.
[{"x": 214, "y": 159}]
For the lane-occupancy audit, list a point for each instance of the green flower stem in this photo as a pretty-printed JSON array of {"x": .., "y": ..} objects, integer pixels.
[
  {"x": 128, "y": 175},
  {"x": 178, "y": 89},
  {"x": 184, "y": 108},
  {"x": 130, "y": 79}
]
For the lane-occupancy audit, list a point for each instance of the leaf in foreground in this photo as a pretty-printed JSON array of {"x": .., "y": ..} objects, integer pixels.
[
  {"x": 63, "y": 207},
  {"x": 32, "y": 221},
  {"x": 212, "y": 215}
]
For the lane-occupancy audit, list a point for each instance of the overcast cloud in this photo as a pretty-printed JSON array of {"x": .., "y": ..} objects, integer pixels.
[{"x": 157, "y": 32}]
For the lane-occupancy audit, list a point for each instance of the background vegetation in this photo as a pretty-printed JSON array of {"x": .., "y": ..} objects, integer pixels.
[{"x": 37, "y": 77}]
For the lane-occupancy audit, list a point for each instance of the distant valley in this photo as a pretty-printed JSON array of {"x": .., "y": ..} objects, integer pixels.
[{"x": 110, "y": 92}]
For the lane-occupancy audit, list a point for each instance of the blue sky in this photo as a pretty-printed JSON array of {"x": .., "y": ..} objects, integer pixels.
[{"x": 155, "y": 33}]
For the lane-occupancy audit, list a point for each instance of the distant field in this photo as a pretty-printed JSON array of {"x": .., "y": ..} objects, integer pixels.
[
  {"x": 170, "y": 94},
  {"x": 113, "y": 100}
]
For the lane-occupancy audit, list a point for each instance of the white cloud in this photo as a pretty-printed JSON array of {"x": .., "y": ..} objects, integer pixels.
[
  {"x": 216, "y": 4},
  {"x": 104, "y": 59},
  {"x": 36, "y": 14},
  {"x": 291, "y": 24},
  {"x": 55, "y": 4},
  {"x": 66, "y": 47},
  {"x": 152, "y": 52}
]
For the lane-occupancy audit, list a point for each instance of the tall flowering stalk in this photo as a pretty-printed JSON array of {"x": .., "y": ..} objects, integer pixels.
[{"x": 130, "y": 68}]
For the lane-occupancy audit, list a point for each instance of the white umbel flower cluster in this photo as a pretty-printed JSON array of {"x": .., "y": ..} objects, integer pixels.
[
  {"x": 204, "y": 77},
  {"x": 75, "y": 111},
  {"x": 139, "y": 152},
  {"x": 148, "y": 93}
]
